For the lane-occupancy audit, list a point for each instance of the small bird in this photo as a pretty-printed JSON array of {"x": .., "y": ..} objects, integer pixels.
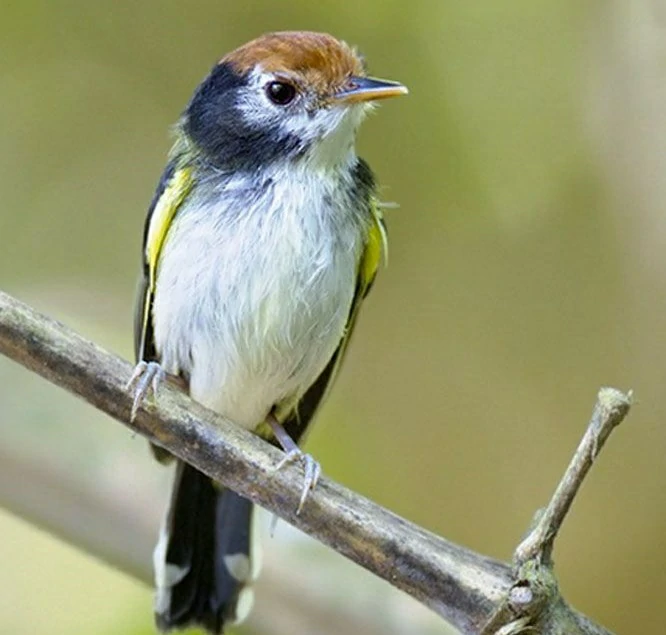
[{"x": 261, "y": 242}]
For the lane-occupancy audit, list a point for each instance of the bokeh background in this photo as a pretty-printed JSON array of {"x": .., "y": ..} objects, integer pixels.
[{"x": 527, "y": 269}]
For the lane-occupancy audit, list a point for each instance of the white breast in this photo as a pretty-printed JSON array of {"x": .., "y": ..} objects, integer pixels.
[{"x": 254, "y": 289}]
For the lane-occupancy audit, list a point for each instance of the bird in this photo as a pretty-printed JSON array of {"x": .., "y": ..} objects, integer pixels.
[{"x": 261, "y": 242}]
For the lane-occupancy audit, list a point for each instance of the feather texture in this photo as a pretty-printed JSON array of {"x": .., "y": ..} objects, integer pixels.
[
  {"x": 256, "y": 294},
  {"x": 262, "y": 240},
  {"x": 255, "y": 287}
]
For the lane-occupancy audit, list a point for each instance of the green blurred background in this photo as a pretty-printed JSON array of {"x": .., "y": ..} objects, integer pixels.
[{"x": 527, "y": 269}]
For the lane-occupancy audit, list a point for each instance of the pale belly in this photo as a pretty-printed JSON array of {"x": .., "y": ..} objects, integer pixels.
[{"x": 252, "y": 317}]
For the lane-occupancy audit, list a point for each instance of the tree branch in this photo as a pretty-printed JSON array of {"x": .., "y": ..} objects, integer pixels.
[
  {"x": 467, "y": 589},
  {"x": 534, "y": 598},
  {"x": 611, "y": 408}
]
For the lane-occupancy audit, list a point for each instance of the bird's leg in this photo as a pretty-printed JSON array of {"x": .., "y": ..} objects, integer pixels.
[
  {"x": 147, "y": 377},
  {"x": 311, "y": 468}
]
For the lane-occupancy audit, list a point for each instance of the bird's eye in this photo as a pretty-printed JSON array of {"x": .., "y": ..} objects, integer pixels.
[{"x": 280, "y": 93}]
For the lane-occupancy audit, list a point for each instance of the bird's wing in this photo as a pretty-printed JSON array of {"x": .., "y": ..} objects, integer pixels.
[
  {"x": 296, "y": 423},
  {"x": 171, "y": 191},
  {"x": 173, "y": 187}
]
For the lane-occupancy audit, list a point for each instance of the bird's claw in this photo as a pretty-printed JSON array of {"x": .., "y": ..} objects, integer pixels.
[
  {"x": 147, "y": 377},
  {"x": 311, "y": 469}
]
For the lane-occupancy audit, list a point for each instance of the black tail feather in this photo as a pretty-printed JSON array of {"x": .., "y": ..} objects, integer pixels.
[{"x": 203, "y": 560}]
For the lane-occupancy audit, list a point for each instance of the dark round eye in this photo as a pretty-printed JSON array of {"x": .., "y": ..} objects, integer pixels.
[{"x": 280, "y": 93}]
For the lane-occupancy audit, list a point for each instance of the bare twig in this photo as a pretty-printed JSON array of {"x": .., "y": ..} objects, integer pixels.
[
  {"x": 534, "y": 603},
  {"x": 466, "y": 588},
  {"x": 611, "y": 408}
]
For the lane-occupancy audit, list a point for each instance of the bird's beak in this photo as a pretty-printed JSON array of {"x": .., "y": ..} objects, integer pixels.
[{"x": 360, "y": 89}]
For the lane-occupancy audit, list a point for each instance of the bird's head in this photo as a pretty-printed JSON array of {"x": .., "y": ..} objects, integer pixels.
[{"x": 290, "y": 96}]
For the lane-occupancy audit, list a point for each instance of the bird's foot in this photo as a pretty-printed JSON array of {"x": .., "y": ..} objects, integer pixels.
[
  {"x": 293, "y": 454},
  {"x": 147, "y": 377},
  {"x": 311, "y": 472}
]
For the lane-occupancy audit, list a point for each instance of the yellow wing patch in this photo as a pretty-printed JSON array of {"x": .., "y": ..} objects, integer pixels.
[
  {"x": 376, "y": 247},
  {"x": 166, "y": 207},
  {"x": 160, "y": 220}
]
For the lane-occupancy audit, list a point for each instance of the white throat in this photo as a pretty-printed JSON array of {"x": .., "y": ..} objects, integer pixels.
[{"x": 335, "y": 148}]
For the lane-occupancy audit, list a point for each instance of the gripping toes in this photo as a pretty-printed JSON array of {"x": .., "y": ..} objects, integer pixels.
[
  {"x": 146, "y": 378},
  {"x": 311, "y": 470},
  {"x": 293, "y": 454}
]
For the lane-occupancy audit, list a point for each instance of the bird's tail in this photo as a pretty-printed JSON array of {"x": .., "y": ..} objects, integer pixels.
[{"x": 203, "y": 563}]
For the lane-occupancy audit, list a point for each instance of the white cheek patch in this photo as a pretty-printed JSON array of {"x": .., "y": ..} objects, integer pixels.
[
  {"x": 328, "y": 136},
  {"x": 254, "y": 105},
  {"x": 327, "y": 133}
]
